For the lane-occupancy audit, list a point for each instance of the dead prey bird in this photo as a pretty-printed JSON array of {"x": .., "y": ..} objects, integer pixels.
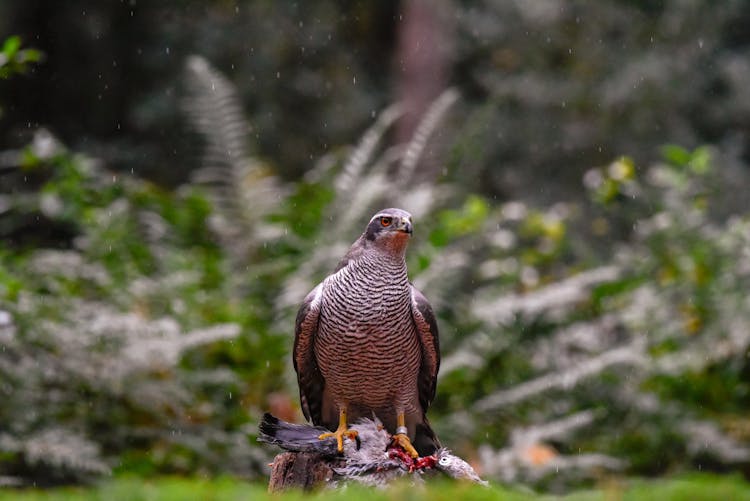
[{"x": 373, "y": 457}]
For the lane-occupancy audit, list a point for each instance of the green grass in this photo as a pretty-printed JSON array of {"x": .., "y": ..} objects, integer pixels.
[{"x": 691, "y": 487}]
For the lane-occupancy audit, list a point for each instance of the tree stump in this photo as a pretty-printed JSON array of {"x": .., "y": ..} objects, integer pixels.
[{"x": 300, "y": 470}]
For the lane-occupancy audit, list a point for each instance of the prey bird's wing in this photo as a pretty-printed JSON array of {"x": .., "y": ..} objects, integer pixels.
[
  {"x": 427, "y": 331},
  {"x": 294, "y": 437},
  {"x": 309, "y": 377}
]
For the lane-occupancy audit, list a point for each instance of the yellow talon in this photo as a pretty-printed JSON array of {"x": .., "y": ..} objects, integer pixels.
[
  {"x": 403, "y": 441},
  {"x": 341, "y": 432},
  {"x": 401, "y": 438}
]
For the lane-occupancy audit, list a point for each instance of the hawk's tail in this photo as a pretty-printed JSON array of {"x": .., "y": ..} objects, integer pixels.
[{"x": 425, "y": 440}]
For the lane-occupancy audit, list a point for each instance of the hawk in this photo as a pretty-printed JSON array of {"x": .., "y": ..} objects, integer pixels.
[{"x": 366, "y": 342}]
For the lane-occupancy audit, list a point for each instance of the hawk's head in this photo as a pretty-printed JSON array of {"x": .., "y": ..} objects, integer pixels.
[{"x": 390, "y": 228}]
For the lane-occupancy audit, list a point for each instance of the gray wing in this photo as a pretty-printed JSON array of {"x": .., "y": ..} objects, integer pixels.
[
  {"x": 309, "y": 378},
  {"x": 427, "y": 331}
]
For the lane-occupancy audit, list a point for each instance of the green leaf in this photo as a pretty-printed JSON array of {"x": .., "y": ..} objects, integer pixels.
[
  {"x": 31, "y": 56},
  {"x": 676, "y": 155},
  {"x": 700, "y": 160},
  {"x": 11, "y": 46}
]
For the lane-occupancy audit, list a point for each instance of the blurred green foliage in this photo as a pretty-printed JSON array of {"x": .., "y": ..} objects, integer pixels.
[
  {"x": 14, "y": 59},
  {"x": 130, "y": 251},
  {"x": 696, "y": 487}
]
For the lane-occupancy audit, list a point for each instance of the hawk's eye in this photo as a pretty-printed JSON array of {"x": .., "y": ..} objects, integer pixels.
[{"x": 386, "y": 221}]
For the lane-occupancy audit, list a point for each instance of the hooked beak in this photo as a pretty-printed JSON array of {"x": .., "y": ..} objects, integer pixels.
[{"x": 405, "y": 225}]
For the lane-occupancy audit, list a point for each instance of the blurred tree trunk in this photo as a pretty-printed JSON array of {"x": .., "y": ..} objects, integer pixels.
[
  {"x": 422, "y": 65},
  {"x": 299, "y": 470}
]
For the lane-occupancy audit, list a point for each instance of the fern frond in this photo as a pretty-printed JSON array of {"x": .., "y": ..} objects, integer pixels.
[
  {"x": 626, "y": 355},
  {"x": 243, "y": 190},
  {"x": 424, "y": 130},
  {"x": 214, "y": 109},
  {"x": 363, "y": 152}
]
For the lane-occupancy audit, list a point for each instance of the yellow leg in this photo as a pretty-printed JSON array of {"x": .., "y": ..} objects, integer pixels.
[
  {"x": 341, "y": 431},
  {"x": 402, "y": 439}
]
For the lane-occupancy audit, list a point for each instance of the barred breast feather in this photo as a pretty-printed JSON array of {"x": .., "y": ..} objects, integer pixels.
[{"x": 366, "y": 337}]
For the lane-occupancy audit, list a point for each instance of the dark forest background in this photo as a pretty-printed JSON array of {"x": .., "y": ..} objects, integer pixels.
[{"x": 566, "y": 85}]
